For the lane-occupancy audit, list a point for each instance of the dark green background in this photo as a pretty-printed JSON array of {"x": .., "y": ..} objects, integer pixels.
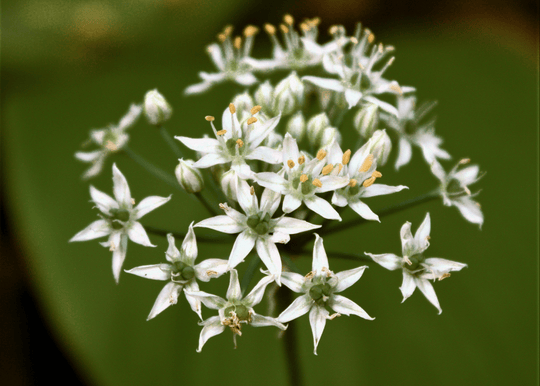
[{"x": 60, "y": 80}]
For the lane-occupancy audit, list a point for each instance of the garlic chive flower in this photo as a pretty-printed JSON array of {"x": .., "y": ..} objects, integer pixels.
[
  {"x": 180, "y": 272},
  {"x": 109, "y": 140},
  {"x": 229, "y": 58},
  {"x": 301, "y": 179},
  {"x": 156, "y": 108},
  {"x": 319, "y": 290},
  {"x": 189, "y": 178},
  {"x": 119, "y": 220},
  {"x": 235, "y": 143},
  {"x": 412, "y": 131},
  {"x": 256, "y": 227},
  {"x": 361, "y": 168},
  {"x": 417, "y": 269},
  {"x": 455, "y": 189},
  {"x": 235, "y": 311}
]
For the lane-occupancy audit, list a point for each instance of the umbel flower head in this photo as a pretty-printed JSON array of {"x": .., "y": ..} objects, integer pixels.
[
  {"x": 119, "y": 220},
  {"x": 180, "y": 272},
  {"x": 319, "y": 290},
  {"x": 109, "y": 140},
  {"x": 417, "y": 269},
  {"x": 235, "y": 311},
  {"x": 257, "y": 228}
]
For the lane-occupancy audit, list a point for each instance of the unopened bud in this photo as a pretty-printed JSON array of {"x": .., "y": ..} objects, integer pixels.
[
  {"x": 367, "y": 120},
  {"x": 315, "y": 128},
  {"x": 380, "y": 145},
  {"x": 329, "y": 135},
  {"x": 156, "y": 108},
  {"x": 264, "y": 96},
  {"x": 289, "y": 95},
  {"x": 296, "y": 126},
  {"x": 243, "y": 103},
  {"x": 274, "y": 140},
  {"x": 189, "y": 178},
  {"x": 228, "y": 184}
]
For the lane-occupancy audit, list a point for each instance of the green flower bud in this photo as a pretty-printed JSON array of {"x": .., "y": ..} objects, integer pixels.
[
  {"x": 366, "y": 120},
  {"x": 264, "y": 96},
  {"x": 380, "y": 146},
  {"x": 329, "y": 135},
  {"x": 289, "y": 95},
  {"x": 315, "y": 128},
  {"x": 243, "y": 103},
  {"x": 296, "y": 126},
  {"x": 156, "y": 108},
  {"x": 189, "y": 178},
  {"x": 228, "y": 184}
]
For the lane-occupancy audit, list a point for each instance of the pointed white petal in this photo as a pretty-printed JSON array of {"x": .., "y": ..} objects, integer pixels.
[
  {"x": 442, "y": 266},
  {"x": 261, "y": 131},
  {"x": 383, "y": 105},
  {"x": 236, "y": 215},
  {"x": 290, "y": 152},
  {"x": 387, "y": 260},
  {"x": 345, "y": 306},
  {"x": 270, "y": 257},
  {"x": 329, "y": 84},
  {"x": 234, "y": 292},
  {"x": 230, "y": 122},
  {"x": 210, "y": 159},
  {"x": 221, "y": 223},
  {"x": 96, "y": 168},
  {"x": 265, "y": 154},
  {"x": 352, "y": 97},
  {"x": 428, "y": 291},
  {"x": 292, "y": 226},
  {"x": 246, "y": 79},
  {"x": 468, "y": 175},
  {"x": 280, "y": 238},
  {"x": 262, "y": 321},
  {"x": 272, "y": 181},
  {"x": 131, "y": 116},
  {"x": 405, "y": 153},
  {"x": 246, "y": 200},
  {"x": 172, "y": 254},
  {"x": 290, "y": 203},
  {"x": 348, "y": 278},
  {"x": 330, "y": 183},
  {"x": 211, "y": 301},
  {"x": 406, "y": 237},
  {"x": 422, "y": 234},
  {"x": 363, "y": 210},
  {"x": 138, "y": 235},
  {"x": 103, "y": 201},
  {"x": 119, "y": 253},
  {"x": 293, "y": 281},
  {"x": 149, "y": 204},
  {"x": 317, "y": 320},
  {"x": 469, "y": 209},
  {"x": 270, "y": 201},
  {"x": 212, "y": 327},
  {"x": 322, "y": 208},
  {"x": 407, "y": 286},
  {"x": 256, "y": 294},
  {"x": 88, "y": 156},
  {"x": 381, "y": 189},
  {"x": 198, "y": 88},
  {"x": 154, "y": 271},
  {"x": 204, "y": 145},
  {"x": 167, "y": 297},
  {"x": 95, "y": 230},
  {"x": 242, "y": 246},
  {"x": 195, "y": 303},
  {"x": 121, "y": 188},
  {"x": 299, "y": 307},
  {"x": 320, "y": 260},
  {"x": 339, "y": 199},
  {"x": 216, "y": 55},
  {"x": 189, "y": 246},
  {"x": 210, "y": 268},
  {"x": 438, "y": 171}
]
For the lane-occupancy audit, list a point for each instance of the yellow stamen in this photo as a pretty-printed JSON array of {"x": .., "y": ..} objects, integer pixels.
[
  {"x": 303, "y": 178},
  {"x": 314, "y": 22},
  {"x": 255, "y": 109},
  {"x": 239, "y": 142},
  {"x": 465, "y": 161},
  {"x": 381, "y": 50},
  {"x": 346, "y": 157},
  {"x": 301, "y": 160},
  {"x": 366, "y": 164},
  {"x": 250, "y": 30},
  {"x": 224, "y": 206},
  {"x": 251, "y": 120},
  {"x": 327, "y": 169},
  {"x": 222, "y": 37},
  {"x": 209, "y": 118},
  {"x": 333, "y": 30},
  {"x": 340, "y": 166},
  {"x": 111, "y": 145},
  {"x": 232, "y": 109},
  {"x": 270, "y": 29},
  {"x": 132, "y": 201},
  {"x": 252, "y": 190},
  {"x": 370, "y": 38},
  {"x": 352, "y": 183},
  {"x": 290, "y": 163},
  {"x": 369, "y": 182},
  {"x": 354, "y": 40},
  {"x": 376, "y": 174},
  {"x": 321, "y": 154},
  {"x": 305, "y": 27},
  {"x": 317, "y": 183},
  {"x": 238, "y": 42},
  {"x": 221, "y": 132},
  {"x": 288, "y": 19},
  {"x": 228, "y": 30},
  {"x": 284, "y": 28},
  {"x": 444, "y": 276},
  {"x": 395, "y": 87}
]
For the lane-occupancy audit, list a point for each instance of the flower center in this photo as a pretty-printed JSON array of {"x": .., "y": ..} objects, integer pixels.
[
  {"x": 416, "y": 261},
  {"x": 319, "y": 292},
  {"x": 259, "y": 223},
  {"x": 182, "y": 271},
  {"x": 120, "y": 215},
  {"x": 242, "y": 312}
]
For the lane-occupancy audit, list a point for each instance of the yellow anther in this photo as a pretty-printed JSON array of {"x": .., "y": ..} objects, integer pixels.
[
  {"x": 381, "y": 49},
  {"x": 352, "y": 183},
  {"x": 284, "y": 28},
  {"x": 112, "y": 247},
  {"x": 444, "y": 276},
  {"x": 238, "y": 42},
  {"x": 333, "y": 30},
  {"x": 316, "y": 182},
  {"x": 346, "y": 157},
  {"x": 370, "y": 38},
  {"x": 290, "y": 163},
  {"x": 221, "y": 132},
  {"x": 222, "y": 37},
  {"x": 389, "y": 48},
  {"x": 209, "y": 118},
  {"x": 395, "y": 87},
  {"x": 252, "y": 190},
  {"x": 110, "y": 145},
  {"x": 301, "y": 160},
  {"x": 224, "y": 206},
  {"x": 361, "y": 67},
  {"x": 366, "y": 164},
  {"x": 369, "y": 182},
  {"x": 232, "y": 109},
  {"x": 303, "y": 178},
  {"x": 270, "y": 29},
  {"x": 327, "y": 169},
  {"x": 321, "y": 154},
  {"x": 288, "y": 19},
  {"x": 239, "y": 142},
  {"x": 376, "y": 174},
  {"x": 305, "y": 27},
  {"x": 132, "y": 201},
  {"x": 354, "y": 40},
  {"x": 250, "y": 30},
  {"x": 314, "y": 22},
  {"x": 211, "y": 273},
  {"x": 251, "y": 120},
  {"x": 228, "y": 30},
  {"x": 340, "y": 166},
  {"x": 255, "y": 109},
  {"x": 465, "y": 161}
]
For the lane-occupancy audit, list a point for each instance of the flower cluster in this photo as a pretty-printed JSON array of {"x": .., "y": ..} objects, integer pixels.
[{"x": 280, "y": 163}]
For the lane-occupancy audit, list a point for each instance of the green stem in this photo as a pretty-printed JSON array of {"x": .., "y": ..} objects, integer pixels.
[
  {"x": 205, "y": 203},
  {"x": 170, "y": 141},
  {"x": 181, "y": 235},
  {"x": 250, "y": 271}
]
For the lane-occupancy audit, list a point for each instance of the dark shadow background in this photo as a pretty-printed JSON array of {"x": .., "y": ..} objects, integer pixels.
[{"x": 70, "y": 66}]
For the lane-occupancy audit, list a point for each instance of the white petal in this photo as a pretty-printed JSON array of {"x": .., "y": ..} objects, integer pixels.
[
  {"x": 154, "y": 271},
  {"x": 320, "y": 260},
  {"x": 209, "y": 160},
  {"x": 246, "y": 79},
  {"x": 345, "y": 306},
  {"x": 292, "y": 226},
  {"x": 352, "y": 97},
  {"x": 210, "y": 268},
  {"x": 339, "y": 199},
  {"x": 438, "y": 171},
  {"x": 204, "y": 145},
  {"x": 261, "y": 131},
  {"x": 290, "y": 203},
  {"x": 262, "y": 321},
  {"x": 266, "y": 154},
  {"x": 211, "y": 301},
  {"x": 469, "y": 209},
  {"x": 212, "y": 327},
  {"x": 428, "y": 291},
  {"x": 88, "y": 156},
  {"x": 138, "y": 235},
  {"x": 280, "y": 238},
  {"x": 408, "y": 286},
  {"x": 270, "y": 201},
  {"x": 405, "y": 153},
  {"x": 103, "y": 201},
  {"x": 441, "y": 266},
  {"x": 242, "y": 169},
  {"x": 381, "y": 189},
  {"x": 322, "y": 208},
  {"x": 216, "y": 55},
  {"x": 242, "y": 246},
  {"x": 121, "y": 188},
  {"x": 189, "y": 245},
  {"x": 329, "y": 84},
  {"x": 236, "y": 215},
  {"x": 246, "y": 200},
  {"x": 167, "y": 297},
  {"x": 119, "y": 253},
  {"x": 406, "y": 237},
  {"x": 422, "y": 234},
  {"x": 256, "y": 294},
  {"x": 468, "y": 175},
  {"x": 96, "y": 168},
  {"x": 317, "y": 320},
  {"x": 212, "y": 77},
  {"x": 290, "y": 152},
  {"x": 270, "y": 257},
  {"x": 195, "y": 303},
  {"x": 383, "y": 105},
  {"x": 149, "y": 204},
  {"x": 272, "y": 181},
  {"x": 234, "y": 292},
  {"x": 198, "y": 88},
  {"x": 429, "y": 143},
  {"x": 293, "y": 281},
  {"x": 330, "y": 183},
  {"x": 387, "y": 260},
  {"x": 131, "y": 116},
  {"x": 221, "y": 223},
  {"x": 172, "y": 254},
  {"x": 348, "y": 278},
  {"x": 363, "y": 210},
  {"x": 229, "y": 122},
  {"x": 299, "y": 307},
  {"x": 95, "y": 230}
]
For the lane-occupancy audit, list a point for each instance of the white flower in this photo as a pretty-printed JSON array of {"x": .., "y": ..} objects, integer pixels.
[
  {"x": 304, "y": 179},
  {"x": 417, "y": 269},
  {"x": 235, "y": 143},
  {"x": 156, "y": 108},
  {"x": 361, "y": 169},
  {"x": 455, "y": 189},
  {"x": 189, "y": 178},
  {"x": 319, "y": 289},
  {"x": 257, "y": 228},
  {"x": 119, "y": 220},
  {"x": 181, "y": 272},
  {"x": 235, "y": 311},
  {"x": 408, "y": 124},
  {"x": 110, "y": 140},
  {"x": 229, "y": 59}
]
